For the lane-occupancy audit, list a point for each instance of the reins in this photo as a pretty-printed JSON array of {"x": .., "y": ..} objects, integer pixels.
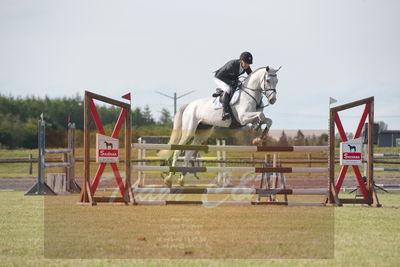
[{"x": 264, "y": 92}]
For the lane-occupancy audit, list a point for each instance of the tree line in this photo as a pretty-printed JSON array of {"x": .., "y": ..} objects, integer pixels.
[
  {"x": 245, "y": 137},
  {"x": 19, "y": 118}
]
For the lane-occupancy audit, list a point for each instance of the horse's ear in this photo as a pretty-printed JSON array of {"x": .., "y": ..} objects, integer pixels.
[{"x": 267, "y": 68}]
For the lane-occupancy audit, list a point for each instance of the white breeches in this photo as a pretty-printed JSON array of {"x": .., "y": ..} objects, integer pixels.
[{"x": 222, "y": 85}]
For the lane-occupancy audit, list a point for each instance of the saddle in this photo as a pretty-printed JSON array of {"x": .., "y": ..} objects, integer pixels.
[{"x": 218, "y": 94}]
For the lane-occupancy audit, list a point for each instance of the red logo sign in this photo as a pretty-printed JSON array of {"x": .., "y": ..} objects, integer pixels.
[
  {"x": 108, "y": 153},
  {"x": 351, "y": 156}
]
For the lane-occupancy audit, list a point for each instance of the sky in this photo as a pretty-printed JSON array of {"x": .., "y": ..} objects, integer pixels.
[{"x": 347, "y": 50}]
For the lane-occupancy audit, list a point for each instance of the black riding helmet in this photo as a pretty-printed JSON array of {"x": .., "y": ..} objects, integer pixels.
[{"x": 246, "y": 57}]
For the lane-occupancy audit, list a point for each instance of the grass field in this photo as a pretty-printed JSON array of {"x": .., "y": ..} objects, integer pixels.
[
  {"x": 51, "y": 231},
  {"x": 54, "y": 231}
]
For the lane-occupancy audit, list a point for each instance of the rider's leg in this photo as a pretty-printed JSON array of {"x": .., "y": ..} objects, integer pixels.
[
  {"x": 224, "y": 86},
  {"x": 225, "y": 98}
]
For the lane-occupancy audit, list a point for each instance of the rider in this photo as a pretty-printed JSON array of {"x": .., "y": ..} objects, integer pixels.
[{"x": 227, "y": 78}]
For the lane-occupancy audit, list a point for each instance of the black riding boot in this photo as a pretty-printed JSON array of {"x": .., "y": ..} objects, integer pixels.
[{"x": 225, "y": 99}]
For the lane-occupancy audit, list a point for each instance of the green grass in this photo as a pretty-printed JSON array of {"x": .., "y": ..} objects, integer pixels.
[
  {"x": 33, "y": 229},
  {"x": 18, "y": 153},
  {"x": 16, "y": 170}
]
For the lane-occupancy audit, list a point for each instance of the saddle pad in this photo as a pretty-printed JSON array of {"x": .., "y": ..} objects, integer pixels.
[{"x": 217, "y": 104}]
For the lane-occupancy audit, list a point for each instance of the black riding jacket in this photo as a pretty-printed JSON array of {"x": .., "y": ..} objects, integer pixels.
[{"x": 230, "y": 72}]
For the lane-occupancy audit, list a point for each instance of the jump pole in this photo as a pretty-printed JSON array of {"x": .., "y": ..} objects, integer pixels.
[
  {"x": 251, "y": 191},
  {"x": 230, "y": 169},
  {"x": 236, "y": 148},
  {"x": 386, "y": 155},
  {"x": 213, "y": 203},
  {"x": 225, "y": 203}
]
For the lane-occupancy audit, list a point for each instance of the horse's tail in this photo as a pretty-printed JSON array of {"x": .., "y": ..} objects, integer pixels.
[{"x": 175, "y": 135}]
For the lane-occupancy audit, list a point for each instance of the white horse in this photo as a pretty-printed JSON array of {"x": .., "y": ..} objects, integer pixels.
[{"x": 195, "y": 121}]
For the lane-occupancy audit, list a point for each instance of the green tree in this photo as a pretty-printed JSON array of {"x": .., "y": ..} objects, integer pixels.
[
  {"x": 283, "y": 140},
  {"x": 19, "y": 117},
  {"x": 299, "y": 140},
  {"x": 147, "y": 116},
  {"x": 165, "y": 117},
  {"x": 323, "y": 140}
]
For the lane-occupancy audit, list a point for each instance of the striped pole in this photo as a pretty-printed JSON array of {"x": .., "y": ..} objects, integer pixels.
[
  {"x": 388, "y": 185},
  {"x": 207, "y": 148},
  {"x": 266, "y": 192},
  {"x": 387, "y": 169},
  {"x": 225, "y": 203},
  {"x": 186, "y": 186},
  {"x": 230, "y": 169},
  {"x": 386, "y": 155}
]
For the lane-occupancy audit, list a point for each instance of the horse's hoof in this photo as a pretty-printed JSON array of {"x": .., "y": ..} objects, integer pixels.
[
  {"x": 168, "y": 181},
  {"x": 256, "y": 141},
  {"x": 222, "y": 184},
  {"x": 181, "y": 182}
]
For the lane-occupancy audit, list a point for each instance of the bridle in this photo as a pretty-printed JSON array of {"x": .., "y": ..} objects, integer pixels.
[{"x": 264, "y": 91}]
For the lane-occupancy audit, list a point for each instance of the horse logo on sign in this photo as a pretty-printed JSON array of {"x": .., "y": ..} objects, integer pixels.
[
  {"x": 108, "y": 144},
  {"x": 107, "y": 149},
  {"x": 352, "y": 148},
  {"x": 350, "y": 152}
]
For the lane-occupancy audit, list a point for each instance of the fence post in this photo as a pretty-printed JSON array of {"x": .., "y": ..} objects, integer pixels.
[
  {"x": 72, "y": 185},
  {"x": 30, "y": 163}
]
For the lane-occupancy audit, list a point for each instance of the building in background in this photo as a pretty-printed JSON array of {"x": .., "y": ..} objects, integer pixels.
[{"x": 389, "y": 138}]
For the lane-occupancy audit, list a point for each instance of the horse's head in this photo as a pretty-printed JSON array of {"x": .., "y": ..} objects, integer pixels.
[{"x": 268, "y": 85}]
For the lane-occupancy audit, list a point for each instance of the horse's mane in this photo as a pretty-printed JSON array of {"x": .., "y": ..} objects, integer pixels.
[{"x": 248, "y": 76}]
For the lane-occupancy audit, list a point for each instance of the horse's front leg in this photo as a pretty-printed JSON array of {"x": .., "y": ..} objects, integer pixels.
[
  {"x": 268, "y": 124},
  {"x": 257, "y": 118},
  {"x": 260, "y": 140},
  {"x": 251, "y": 117}
]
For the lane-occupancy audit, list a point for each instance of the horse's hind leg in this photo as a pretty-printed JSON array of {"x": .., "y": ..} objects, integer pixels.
[
  {"x": 185, "y": 137},
  {"x": 168, "y": 178},
  {"x": 200, "y": 136}
]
